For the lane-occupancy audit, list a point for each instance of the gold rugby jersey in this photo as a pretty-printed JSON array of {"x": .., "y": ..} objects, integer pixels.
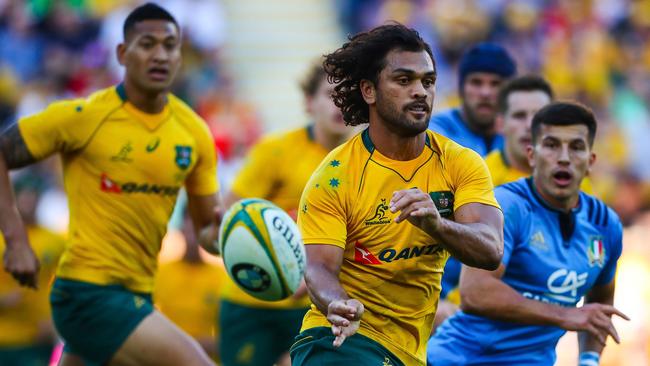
[
  {"x": 502, "y": 172},
  {"x": 277, "y": 169},
  {"x": 122, "y": 171},
  {"x": 393, "y": 269}
]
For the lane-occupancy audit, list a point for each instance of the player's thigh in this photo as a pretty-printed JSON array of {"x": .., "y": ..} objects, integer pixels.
[
  {"x": 158, "y": 342},
  {"x": 286, "y": 324}
]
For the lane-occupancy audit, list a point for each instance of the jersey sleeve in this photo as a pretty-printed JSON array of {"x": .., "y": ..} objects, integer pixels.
[
  {"x": 259, "y": 174},
  {"x": 62, "y": 127},
  {"x": 322, "y": 216},
  {"x": 203, "y": 178},
  {"x": 615, "y": 247},
  {"x": 512, "y": 221},
  {"x": 472, "y": 180}
]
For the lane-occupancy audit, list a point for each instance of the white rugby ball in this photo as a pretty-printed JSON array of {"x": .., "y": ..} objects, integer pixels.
[{"x": 262, "y": 249}]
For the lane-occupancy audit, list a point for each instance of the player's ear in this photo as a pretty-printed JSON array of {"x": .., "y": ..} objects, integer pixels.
[
  {"x": 592, "y": 160},
  {"x": 120, "y": 51},
  {"x": 309, "y": 108},
  {"x": 530, "y": 153},
  {"x": 498, "y": 122},
  {"x": 368, "y": 92}
]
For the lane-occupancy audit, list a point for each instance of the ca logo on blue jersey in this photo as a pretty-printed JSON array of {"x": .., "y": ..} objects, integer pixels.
[
  {"x": 183, "y": 156},
  {"x": 564, "y": 284}
]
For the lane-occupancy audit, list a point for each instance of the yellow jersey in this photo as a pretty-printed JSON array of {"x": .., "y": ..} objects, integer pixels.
[
  {"x": 393, "y": 269},
  {"x": 122, "y": 171},
  {"x": 20, "y": 323},
  {"x": 503, "y": 173},
  {"x": 200, "y": 284},
  {"x": 277, "y": 169}
]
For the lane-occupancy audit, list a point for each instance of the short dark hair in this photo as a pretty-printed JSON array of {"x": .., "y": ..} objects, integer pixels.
[
  {"x": 148, "y": 11},
  {"x": 313, "y": 78},
  {"x": 564, "y": 114},
  {"x": 362, "y": 58},
  {"x": 527, "y": 83}
]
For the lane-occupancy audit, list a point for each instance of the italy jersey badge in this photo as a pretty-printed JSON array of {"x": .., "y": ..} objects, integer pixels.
[{"x": 596, "y": 251}]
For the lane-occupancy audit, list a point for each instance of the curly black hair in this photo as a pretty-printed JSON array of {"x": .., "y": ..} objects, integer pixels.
[{"x": 362, "y": 58}]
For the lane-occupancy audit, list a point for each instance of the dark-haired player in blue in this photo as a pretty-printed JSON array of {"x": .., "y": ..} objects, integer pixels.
[{"x": 560, "y": 245}]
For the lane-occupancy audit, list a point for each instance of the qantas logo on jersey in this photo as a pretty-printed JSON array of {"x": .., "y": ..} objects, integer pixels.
[
  {"x": 110, "y": 186},
  {"x": 364, "y": 256}
]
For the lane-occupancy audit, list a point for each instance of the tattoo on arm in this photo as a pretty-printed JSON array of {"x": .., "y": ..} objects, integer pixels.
[{"x": 13, "y": 148}]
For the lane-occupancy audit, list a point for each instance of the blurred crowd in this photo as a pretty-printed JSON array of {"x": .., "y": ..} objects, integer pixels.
[{"x": 594, "y": 51}]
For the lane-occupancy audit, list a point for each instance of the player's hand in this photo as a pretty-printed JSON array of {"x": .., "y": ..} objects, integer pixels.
[
  {"x": 595, "y": 319},
  {"x": 21, "y": 262},
  {"x": 345, "y": 316},
  {"x": 417, "y": 207}
]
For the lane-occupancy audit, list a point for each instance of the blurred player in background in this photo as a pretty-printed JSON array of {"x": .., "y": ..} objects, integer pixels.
[
  {"x": 187, "y": 292},
  {"x": 560, "y": 245},
  {"x": 374, "y": 280},
  {"x": 256, "y": 332},
  {"x": 482, "y": 71},
  {"x": 126, "y": 151},
  {"x": 27, "y": 334}
]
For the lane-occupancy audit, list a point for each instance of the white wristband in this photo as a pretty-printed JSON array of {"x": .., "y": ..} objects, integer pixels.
[{"x": 589, "y": 358}]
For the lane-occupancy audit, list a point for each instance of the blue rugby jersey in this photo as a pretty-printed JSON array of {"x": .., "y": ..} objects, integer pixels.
[
  {"x": 549, "y": 256},
  {"x": 449, "y": 123}
]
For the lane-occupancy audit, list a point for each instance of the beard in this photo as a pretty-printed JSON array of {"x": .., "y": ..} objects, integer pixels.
[
  {"x": 481, "y": 122},
  {"x": 398, "y": 121}
]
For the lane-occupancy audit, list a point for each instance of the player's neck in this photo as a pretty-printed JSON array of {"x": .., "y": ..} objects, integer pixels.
[
  {"x": 327, "y": 139},
  {"x": 394, "y": 146},
  {"x": 519, "y": 164},
  {"x": 152, "y": 103},
  {"x": 477, "y": 128},
  {"x": 192, "y": 255}
]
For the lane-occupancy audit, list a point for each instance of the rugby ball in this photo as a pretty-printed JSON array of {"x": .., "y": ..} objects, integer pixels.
[{"x": 262, "y": 249}]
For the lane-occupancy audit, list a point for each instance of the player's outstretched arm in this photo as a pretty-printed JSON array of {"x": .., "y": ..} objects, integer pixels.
[
  {"x": 322, "y": 278},
  {"x": 19, "y": 258},
  {"x": 484, "y": 293},
  {"x": 474, "y": 238},
  {"x": 206, "y": 213}
]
